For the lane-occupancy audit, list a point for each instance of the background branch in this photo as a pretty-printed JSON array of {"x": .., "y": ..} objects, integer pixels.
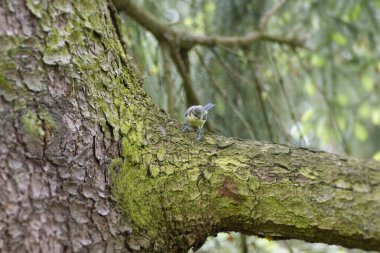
[
  {"x": 265, "y": 18},
  {"x": 165, "y": 48},
  {"x": 187, "y": 40},
  {"x": 250, "y": 129}
]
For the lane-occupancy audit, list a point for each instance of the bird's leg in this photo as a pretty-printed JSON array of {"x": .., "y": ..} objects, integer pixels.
[
  {"x": 199, "y": 134},
  {"x": 185, "y": 128}
]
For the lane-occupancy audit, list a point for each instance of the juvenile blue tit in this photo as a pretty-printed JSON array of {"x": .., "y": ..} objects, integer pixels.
[{"x": 196, "y": 116}]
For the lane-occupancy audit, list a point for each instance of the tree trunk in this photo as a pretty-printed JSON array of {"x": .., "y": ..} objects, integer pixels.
[
  {"x": 58, "y": 62},
  {"x": 89, "y": 163}
]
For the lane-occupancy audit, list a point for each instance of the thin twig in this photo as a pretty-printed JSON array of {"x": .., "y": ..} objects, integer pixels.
[
  {"x": 284, "y": 92},
  {"x": 264, "y": 109},
  {"x": 251, "y": 130},
  {"x": 181, "y": 60},
  {"x": 331, "y": 111},
  {"x": 265, "y": 18},
  {"x": 259, "y": 93},
  {"x": 271, "y": 104}
]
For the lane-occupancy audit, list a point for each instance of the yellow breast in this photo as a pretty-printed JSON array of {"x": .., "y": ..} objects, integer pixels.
[{"x": 195, "y": 121}]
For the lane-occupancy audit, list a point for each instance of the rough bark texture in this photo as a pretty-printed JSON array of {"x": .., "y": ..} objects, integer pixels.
[
  {"x": 58, "y": 59},
  {"x": 76, "y": 126},
  {"x": 189, "y": 191}
]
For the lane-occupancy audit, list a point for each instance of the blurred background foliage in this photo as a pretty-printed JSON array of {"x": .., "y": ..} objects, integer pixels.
[{"x": 324, "y": 96}]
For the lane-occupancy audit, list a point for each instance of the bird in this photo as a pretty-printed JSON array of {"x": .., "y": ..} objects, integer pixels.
[{"x": 196, "y": 116}]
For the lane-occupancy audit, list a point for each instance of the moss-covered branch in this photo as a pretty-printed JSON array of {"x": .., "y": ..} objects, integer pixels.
[{"x": 188, "y": 190}]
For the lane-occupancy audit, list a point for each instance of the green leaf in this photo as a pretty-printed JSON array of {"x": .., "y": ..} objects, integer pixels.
[
  {"x": 368, "y": 82},
  {"x": 307, "y": 115},
  {"x": 323, "y": 132},
  {"x": 375, "y": 117},
  {"x": 342, "y": 99},
  {"x": 360, "y": 132},
  {"x": 264, "y": 95},
  {"x": 306, "y": 128},
  {"x": 188, "y": 21},
  {"x": 376, "y": 156},
  {"x": 355, "y": 12},
  {"x": 154, "y": 69},
  {"x": 210, "y": 6},
  {"x": 317, "y": 60},
  {"x": 339, "y": 38},
  {"x": 341, "y": 122},
  {"x": 310, "y": 88},
  {"x": 364, "y": 110}
]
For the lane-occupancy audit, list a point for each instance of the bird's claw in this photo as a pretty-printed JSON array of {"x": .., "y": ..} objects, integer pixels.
[
  {"x": 185, "y": 128},
  {"x": 199, "y": 136}
]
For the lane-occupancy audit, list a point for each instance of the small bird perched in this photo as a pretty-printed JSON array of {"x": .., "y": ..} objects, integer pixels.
[{"x": 196, "y": 116}]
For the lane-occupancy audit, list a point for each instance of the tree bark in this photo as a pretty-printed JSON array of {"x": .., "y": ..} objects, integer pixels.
[
  {"x": 90, "y": 164},
  {"x": 58, "y": 60}
]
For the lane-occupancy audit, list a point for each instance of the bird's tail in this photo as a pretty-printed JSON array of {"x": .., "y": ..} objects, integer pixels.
[{"x": 208, "y": 106}]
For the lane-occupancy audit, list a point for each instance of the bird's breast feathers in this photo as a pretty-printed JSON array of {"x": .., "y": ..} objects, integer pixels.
[{"x": 194, "y": 120}]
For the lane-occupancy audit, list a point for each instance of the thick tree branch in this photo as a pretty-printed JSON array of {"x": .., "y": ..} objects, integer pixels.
[
  {"x": 255, "y": 188},
  {"x": 187, "y": 40}
]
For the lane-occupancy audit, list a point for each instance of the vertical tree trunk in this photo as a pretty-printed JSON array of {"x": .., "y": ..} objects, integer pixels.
[{"x": 54, "y": 193}]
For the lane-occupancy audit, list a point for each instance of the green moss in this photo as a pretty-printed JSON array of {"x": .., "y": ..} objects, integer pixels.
[
  {"x": 307, "y": 172},
  {"x": 34, "y": 80},
  {"x": 20, "y": 104},
  {"x": 168, "y": 169},
  {"x": 130, "y": 151},
  {"x": 361, "y": 187},
  {"x": 343, "y": 184},
  {"x": 85, "y": 8},
  {"x": 253, "y": 184},
  {"x": 161, "y": 153},
  {"x": 63, "y": 5},
  {"x": 56, "y": 56},
  {"x": 40, "y": 125},
  {"x": 155, "y": 170},
  {"x": 46, "y": 22},
  {"x": 6, "y": 88},
  {"x": 125, "y": 185},
  {"x": 111, "y": 116},
  {"x": 18, "y": 52},
  {"x": 33, "y": 125},
  {"x": 49, "y": 121},
  {"x": 7, "y": 66},
  {"x": 75, "y": 37},
  {"x": 231, "y": 161},
  {"x": 54, "y": 40},
  {"x": 7, "y": 42},
  {"x": 35, "y": 7},
  {"x": 193, "y": 175}
]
